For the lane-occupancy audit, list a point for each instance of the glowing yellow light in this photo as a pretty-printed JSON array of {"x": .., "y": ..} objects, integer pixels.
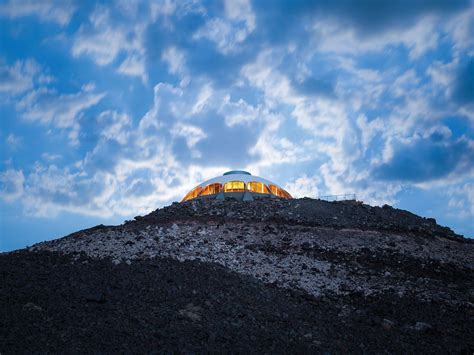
[
  {"x": 234, "y": 186},
  {"x": 192, "y": 194},
  {"x": 258, "y": 187},
  {"x": 277, "y": 191},
  {"x": 211, "y": 189}
]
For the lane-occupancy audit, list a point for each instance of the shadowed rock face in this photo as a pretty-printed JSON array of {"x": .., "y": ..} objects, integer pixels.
[
  {"x": 262, "y": 276},
  {"x": 305, "y": 211}
]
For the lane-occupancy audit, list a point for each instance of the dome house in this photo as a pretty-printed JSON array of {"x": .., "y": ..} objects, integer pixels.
[{"x": 236, "y": 184}]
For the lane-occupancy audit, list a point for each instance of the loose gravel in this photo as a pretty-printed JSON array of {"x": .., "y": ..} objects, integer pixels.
[{"x": 376, "y": 271}]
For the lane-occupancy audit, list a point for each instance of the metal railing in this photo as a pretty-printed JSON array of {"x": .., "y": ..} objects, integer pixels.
[{"x": 346, "y": 197}]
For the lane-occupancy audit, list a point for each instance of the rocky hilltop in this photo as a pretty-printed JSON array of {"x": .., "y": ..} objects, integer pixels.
[{"x": 268, "y": 276}]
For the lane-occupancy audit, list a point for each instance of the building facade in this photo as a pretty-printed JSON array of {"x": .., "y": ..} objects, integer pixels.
[{"x": 237, "y": 184}]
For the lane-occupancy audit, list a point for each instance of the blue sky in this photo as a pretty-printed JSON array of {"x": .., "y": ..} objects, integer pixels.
[{"x": 109, "y": 110}]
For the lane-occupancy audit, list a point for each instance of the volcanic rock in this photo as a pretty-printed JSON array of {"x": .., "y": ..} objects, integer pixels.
[{"x": 263, "y": 276}]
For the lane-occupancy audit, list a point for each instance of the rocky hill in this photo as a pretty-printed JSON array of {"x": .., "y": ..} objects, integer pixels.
[{"x": 266, "y": 276}]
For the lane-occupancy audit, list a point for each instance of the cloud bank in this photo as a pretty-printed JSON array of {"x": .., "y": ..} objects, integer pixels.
[{"x": 147, "y": 100}]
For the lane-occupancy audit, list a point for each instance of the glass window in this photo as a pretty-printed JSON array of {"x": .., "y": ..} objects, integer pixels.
[
  {"x": 274, "y": 190},
  {"x": 286, "y": 194},
  {"x": 258, "y": 187},
  {"x": 279, "y": 192},
  {"x": 211, "y": 189},
  {"x": 192, "y": 194},
  {"x": 234, "y": 186}
]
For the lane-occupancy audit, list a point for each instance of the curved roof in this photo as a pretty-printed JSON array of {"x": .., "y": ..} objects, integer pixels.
[
  {"x": 245, "y": 190},
  {"x": 237, "y": 175},
  {"x": 237, "y": 172}
]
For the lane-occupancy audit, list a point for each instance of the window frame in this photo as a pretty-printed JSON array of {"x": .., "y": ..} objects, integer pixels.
[
  {"x": 220, "y": 189},
  {"x": 279, "y": 192},
  {"x": 191, "y": 195},
  {"x": 234, "y": 189},
  {"x": 266, "y": 190}
]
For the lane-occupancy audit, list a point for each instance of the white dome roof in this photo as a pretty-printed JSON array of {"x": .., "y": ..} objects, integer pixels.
[
  {"x": 237, "y": 184},
  {"x": 236, "y": 175}
]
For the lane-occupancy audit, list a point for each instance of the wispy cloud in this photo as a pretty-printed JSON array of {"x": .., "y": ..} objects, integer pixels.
[
  {"x": 11, "y": 184},
  {"x": 14, "y": 141},
  {"x": 330, "y": 97},
  {"x": 49, "y": 107},
  {"x": 18, "y": 77},
  {"x": 103, "y": 40},
  {"x": 46, "y": 10}
]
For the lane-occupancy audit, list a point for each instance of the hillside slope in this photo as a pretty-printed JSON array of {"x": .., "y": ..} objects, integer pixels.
[{"x": 260, "y": 276}]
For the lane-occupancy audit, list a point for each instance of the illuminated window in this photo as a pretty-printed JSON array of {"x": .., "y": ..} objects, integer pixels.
[
  {"x": 234, "y": 186},
  {"x": 211, "y": 189},
  {"x": 286, "y": 194},
  {"x": 257, "y": 187},
  {"x": 279, "y": 192},
  {"x": 274, "y": 190},
  {"x": 192, "y": 194}
]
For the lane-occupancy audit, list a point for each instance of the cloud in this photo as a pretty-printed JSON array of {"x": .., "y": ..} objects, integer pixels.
[
  {"x": 207, "y": 52},
  {"x": 115, "y": 126},
  {"x": 137, "y": 167},
  {"x": 227, "y": 33},
  {"x": 47, "y": 11},
  {"x": 371, "y": 16},
  {"x": 14, "y": 141},
  {"x": 134, "y": 65},
  {"x": 461, "y": 200},
  {"x": 196, "y": 120},
  {"x": 315, "y": 86},
  {"x": 461, "y": 29},
  {"x": 240, "y": 111},
  {"x": 463, "y": 91},
  {"x": 162, "y": 8},
  {"x": 428, "y": 158},
  {"x": 356, "y": 126},
  {"x": 225, "y": 145},
  {"x": 11, "y": 184},
  {"x": 369, "y": 130},
  {"x": 304, "y": 186},
  {"x": 50, "y": 156},
  {"x": 111, "y": 180},
  {"x": 453, "y": 87},
  {"x": 418, "y": 38},
  {"x": 103, "y": 41},
  {"x": 99, "y": 39},
  {"x": 52, "y": 189},
  {"x": 49, "y": 107},
  {"x": 192, "y": 134},
  {"x": 175, "y": 58},
  {"x": 324, "y": 132},
  {"x": 332, "y": 97},
  {"x": 19, "y": 77},
  {"x": 367, "y": 17}
]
